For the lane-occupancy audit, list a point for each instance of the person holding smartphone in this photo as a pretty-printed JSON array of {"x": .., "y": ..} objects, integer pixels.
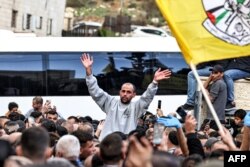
[{"x": 121, "y": 114}]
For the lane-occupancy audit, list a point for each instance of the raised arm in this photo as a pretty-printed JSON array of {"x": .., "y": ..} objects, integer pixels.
[{"x": 87, "y": 62}]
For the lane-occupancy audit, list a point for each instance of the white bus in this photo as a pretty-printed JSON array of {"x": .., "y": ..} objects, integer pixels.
[{"x": 51, "y": 68}]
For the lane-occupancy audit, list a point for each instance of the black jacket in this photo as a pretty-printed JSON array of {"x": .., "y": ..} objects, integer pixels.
[{"x": 242, "y": 63}]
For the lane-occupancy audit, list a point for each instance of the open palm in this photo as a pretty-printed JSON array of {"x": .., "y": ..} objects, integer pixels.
[{"x": 86, "y": 60}]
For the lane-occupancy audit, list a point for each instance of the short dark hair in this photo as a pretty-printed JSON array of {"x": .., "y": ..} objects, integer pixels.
[
  {"x": 12, "y": 105},
  {"x": 240, "y": 113},
  {"x": 36, "y": 114},
  {"x": 14, "y": 116},
  {"x": 34, "y": 142},
  {"x": 110, "y": 148},
  {"x": 49, "y": 125},
  {"x": 83, "y": 137},
  {"x": 73, "y": 117},
  {"x": 61, "y": 131}
]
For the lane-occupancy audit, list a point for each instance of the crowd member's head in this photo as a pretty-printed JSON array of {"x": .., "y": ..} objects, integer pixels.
[
  {"x": 209, "y": 143},
  {"x": 89, "y": 119},
  {"x": 60, "y": 121},
  {"x": 239, "y": 116},
  {"x": 162, "y": 159},
  {"x": 217, "y": 72},
  {"x": 14, "y": 116},
  {"x": 15, "y": 139},
  {"x": 54, "y": 137},
  {"x": 192, "y": 160},
  {"x": 111, "y": 149},
  {"x": 93, "y": 161},
  {"x": 127, "y": 93},
  {"x": 5, "y": 152},
  {"x": 86, "y": 142},
  {"x": 73, "y": 120},
  {"x": 69, "y": 126},
  {"x": 34, "y": 144},
  {"x": 68, "y": 147},
  {"x": 61, "y": 131},
  {"x": 87, "y": 127},
  {"x": 11, "y": 127},
  {"x": 37, "y": 103},
  {"x": 52, "y": 115},
  {"x": 17, "y": 161},
  {"x": 13, "y": 107},
  {"x": 125, "y": 142},
  {"x": 37, "y": 115},
  {"x": 58, "y": 162},
  {"x": 3, "y": 120},
  {"x": 49, "y": 125}
]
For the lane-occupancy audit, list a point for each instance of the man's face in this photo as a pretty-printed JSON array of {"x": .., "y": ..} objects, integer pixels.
[
  {"x": 36, "y": 106},
  {"x": 216, "y": 75},
  {"x": 14, "y": 109},
  {"x": 87, "y": 150},
  {"x": 52, "y": 117},
  {"x": 237, "y": 120},
  {"x": 127, "y": 93}
]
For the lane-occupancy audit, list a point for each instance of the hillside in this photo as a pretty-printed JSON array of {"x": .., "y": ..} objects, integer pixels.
[{"x": 140, "y": 11}]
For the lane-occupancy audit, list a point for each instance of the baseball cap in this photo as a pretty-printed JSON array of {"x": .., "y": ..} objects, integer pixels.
[{"x": 217, "y": 68}]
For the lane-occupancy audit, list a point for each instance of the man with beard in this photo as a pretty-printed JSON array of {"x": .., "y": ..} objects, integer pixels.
[{"x": 121, "y": 114}]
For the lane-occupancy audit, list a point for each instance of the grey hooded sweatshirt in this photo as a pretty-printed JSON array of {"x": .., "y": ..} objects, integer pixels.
[{"x": 120, "y": 117}]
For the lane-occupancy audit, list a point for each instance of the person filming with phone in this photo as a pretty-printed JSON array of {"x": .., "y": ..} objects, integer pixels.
[{"x": 121, "y": 114}]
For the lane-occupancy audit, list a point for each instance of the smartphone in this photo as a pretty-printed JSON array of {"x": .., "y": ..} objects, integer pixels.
[
  {"x": 158, "y": 132},
  {"x": 182, "y": 113},
  {"x": 159, "y": 104}
]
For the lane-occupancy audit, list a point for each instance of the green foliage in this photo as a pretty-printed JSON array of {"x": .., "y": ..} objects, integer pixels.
[
  {"x": 132, "y": 5},
  {"x": 106, "y": 33},
  {"x": 99, "y": 11}
]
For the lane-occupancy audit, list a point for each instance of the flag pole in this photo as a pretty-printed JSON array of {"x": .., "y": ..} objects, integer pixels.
[{"x": 210, "y": 106}]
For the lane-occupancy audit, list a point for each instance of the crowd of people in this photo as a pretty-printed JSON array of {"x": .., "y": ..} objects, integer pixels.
[{"x": 129, "y": 136}]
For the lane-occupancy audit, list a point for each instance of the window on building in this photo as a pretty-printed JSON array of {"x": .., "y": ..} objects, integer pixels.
[
  {"x": 13, "y": 18},
  {"x": 39, "y": 22},
  {"x": 49, "y": 27},
  {"x": 28, "y": 21}
]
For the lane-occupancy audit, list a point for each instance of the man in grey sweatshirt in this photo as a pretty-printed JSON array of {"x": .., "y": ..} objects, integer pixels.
[{"x": 122, "y": 114}]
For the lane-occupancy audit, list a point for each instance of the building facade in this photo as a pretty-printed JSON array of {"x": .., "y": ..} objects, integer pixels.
[{"x": 40, "y": 17}]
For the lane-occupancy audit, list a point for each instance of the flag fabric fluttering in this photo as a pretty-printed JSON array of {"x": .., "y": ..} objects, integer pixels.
[{"x": 209, "y": 30}]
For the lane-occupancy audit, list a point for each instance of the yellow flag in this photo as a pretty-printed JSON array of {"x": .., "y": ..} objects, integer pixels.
[{"x": 209, "y": 29}]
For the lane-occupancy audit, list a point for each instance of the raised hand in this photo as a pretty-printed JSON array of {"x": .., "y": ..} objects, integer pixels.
[
  {"x": 87, "y": 62},
  {"x": 160, "y": 75}
]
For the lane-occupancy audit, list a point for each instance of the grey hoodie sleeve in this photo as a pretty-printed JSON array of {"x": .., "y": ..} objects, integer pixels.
[
  {"x": 99, "y": 95},
  {"x": 146, "y": 98}
]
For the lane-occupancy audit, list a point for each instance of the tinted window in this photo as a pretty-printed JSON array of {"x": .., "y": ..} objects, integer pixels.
[{"x": 29, "y": 74}]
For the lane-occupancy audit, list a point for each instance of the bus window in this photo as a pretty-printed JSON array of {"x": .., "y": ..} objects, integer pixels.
[{"x": 53, "y": 74}]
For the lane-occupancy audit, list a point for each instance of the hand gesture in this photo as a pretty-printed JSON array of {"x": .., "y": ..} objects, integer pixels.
[
  {"x": 160, "y": 75},
  {"x": 100, "y": 125},
  {"x": 139, "y": 154},
  {"x": 86, "y": 60}
]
